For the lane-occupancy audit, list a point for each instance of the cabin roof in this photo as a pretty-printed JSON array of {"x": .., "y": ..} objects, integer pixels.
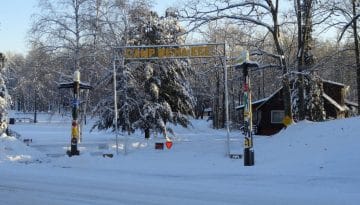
[
  {"x": 328, "y": 98},
  {"x": 253, "y": 103},
  {"x": 348, "y": 102},
  {"x": 268, "y": 98},
  {"x": 334, "y": 83}
]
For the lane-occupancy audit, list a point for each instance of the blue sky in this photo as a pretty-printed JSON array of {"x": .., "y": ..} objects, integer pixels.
[{"x": 15, "y": 22}]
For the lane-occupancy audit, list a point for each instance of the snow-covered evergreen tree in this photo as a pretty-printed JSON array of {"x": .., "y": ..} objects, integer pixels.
[
  {"x": 129, "y": 102},
  {"x": 169, "y": 97},
  {"x": 4, "y": 103},
  {"x": 313, "y": 92},
  {"x": 295, "y": 100},
  {"x": 156, "y": 112},
  {"x": 314, "y": 99},
  {"x": 160, "y": 95}
]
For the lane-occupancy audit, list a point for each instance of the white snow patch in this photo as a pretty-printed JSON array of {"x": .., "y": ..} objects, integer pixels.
[{"x": 308, "y": 163}]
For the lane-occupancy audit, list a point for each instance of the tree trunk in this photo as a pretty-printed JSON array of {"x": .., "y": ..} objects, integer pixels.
[
  {"x": 217, "y": 102},
  {"x": 316, "y": 104},
  {"x": 223, "y": 113},
  {"x": 35, "y": 105},
  {"x": 301, "y": 98},
  {"x": 287, "y": 96},
  {"x": 280, "y": 51},
  {"x": 147, "y": 133},
  {"x": 300, "y": 59},
  {"x": 357, "y": 58}
]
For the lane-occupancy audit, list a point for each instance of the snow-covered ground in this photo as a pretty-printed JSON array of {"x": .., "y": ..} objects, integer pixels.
[{"x": 308, "y": 163}]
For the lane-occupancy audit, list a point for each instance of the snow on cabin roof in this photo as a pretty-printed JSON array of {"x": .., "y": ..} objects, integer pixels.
[
  {"x": 261, "y": 101},
  {"x": 253, "y": 103},
  {"x": 333, "y": 102},
  {"x": 333, "y": 82},
  {"x": 351, "y": 103}
]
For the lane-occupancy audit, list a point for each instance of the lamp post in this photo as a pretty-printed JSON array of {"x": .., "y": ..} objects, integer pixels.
[
  {"x": 35, "y": 95},
  {"x": 244, "y": 63},
  {"x": 76, "y": 85}
]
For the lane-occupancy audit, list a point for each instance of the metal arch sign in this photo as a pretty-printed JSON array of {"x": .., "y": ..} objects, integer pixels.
[
  {"x": 172, "y": 51},
  {"x": 159, "y": 52}
]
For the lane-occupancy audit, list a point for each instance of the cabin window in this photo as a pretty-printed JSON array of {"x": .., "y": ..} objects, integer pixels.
[{"x": 277, "y": 116}]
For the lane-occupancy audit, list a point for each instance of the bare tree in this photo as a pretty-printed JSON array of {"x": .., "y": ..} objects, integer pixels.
[
  {"x": 303, "y": 14},
  {"x": 75, "y": 33},
  {"x": 264, "y": 14},
  {"x": 62, "y": 26},
  {"x": 347, "y": 18}
]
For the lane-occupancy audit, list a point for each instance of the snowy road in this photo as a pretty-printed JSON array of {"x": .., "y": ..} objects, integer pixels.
[
  {"x": 66, "y": 185},
  {"x": 290, "y": 169}
]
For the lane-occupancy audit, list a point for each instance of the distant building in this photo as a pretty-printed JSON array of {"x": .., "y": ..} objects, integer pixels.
[{"x": 268, "y": 113}]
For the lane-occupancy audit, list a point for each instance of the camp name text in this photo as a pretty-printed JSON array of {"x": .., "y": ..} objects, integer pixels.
[{"x": 169, "y": 52}]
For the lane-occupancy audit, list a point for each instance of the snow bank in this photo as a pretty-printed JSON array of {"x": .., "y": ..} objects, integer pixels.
[
  {"x": 13, "y": 150},
  {"x": 309, "y": 148}
]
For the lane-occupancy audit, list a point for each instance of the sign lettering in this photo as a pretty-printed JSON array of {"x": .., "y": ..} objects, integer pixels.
[{"x": 162, "y": 52}]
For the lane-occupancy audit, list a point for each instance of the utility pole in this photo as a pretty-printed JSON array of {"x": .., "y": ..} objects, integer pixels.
[
  {"x": 115, "y": 107},
  {"x": 76, "y": 85},
  {"x": 244, "y": 63},
  {"x": 35, "y": 94},
  {"x": 248, "y": 138}
]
